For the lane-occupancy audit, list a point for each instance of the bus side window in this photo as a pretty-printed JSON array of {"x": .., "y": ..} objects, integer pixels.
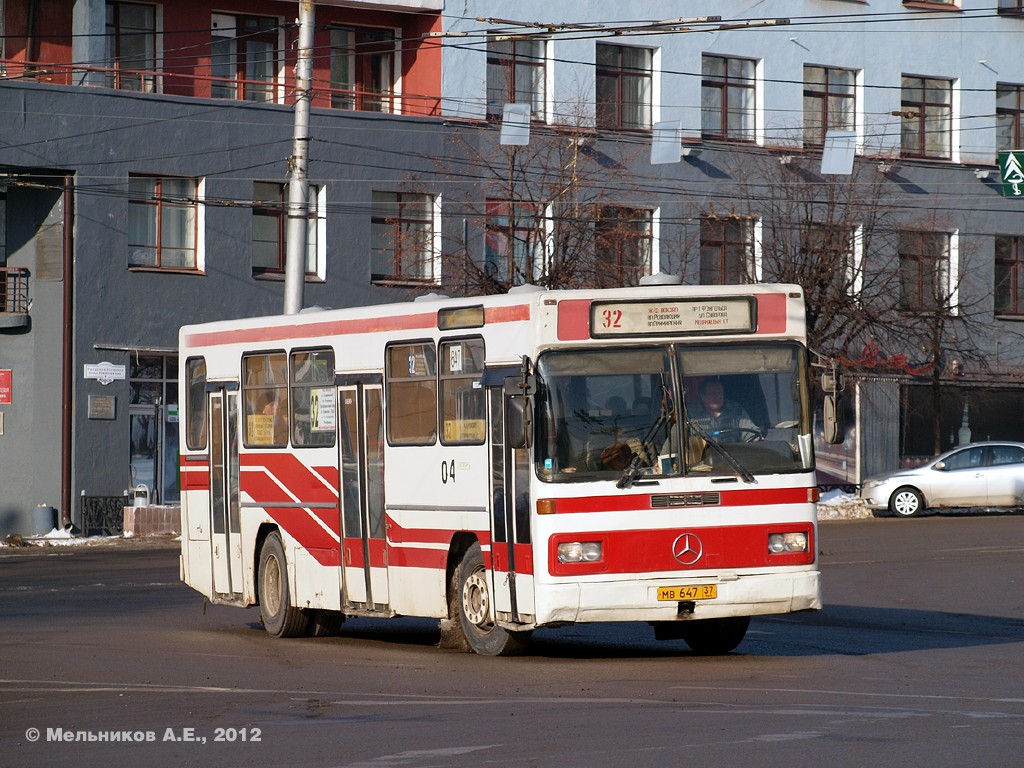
[
  {"x": 265, "y": 394},
  {"x": 195, "y": 403},
  {"x": 411, "y": 393},
  {"x": 313, "y": 398},
  {"x": 462, "y": 396}
]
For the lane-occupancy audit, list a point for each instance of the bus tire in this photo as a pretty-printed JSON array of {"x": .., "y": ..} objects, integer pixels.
[
  {"x": 324, "y": 623},
  {"x": 471, "y": 603},
  {"x": 280, "y": 618},
  {"x": 714, "y": 637}
]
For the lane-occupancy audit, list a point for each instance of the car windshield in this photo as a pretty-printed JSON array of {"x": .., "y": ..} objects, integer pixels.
[{"x": 738, "y": 410}]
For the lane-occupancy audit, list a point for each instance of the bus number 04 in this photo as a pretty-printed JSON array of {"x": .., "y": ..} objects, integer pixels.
[{"x": 448, "y": 471}]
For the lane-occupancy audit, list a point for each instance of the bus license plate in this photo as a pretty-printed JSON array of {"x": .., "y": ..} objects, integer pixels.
[{"x": 691, "y": 592}]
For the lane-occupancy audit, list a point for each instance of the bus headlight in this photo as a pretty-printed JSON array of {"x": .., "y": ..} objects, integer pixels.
[
  {"x": 580, "y": 552},
  {"x": 781, "y": 543}
]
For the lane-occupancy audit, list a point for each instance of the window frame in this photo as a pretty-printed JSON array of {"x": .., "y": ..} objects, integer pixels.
[
  {"x": 1013, "y": 265},
  {"x": 917, "y": 112},
  {"x": 230, "y": 70},
  {"x": 1014, "y": 114},
  {"x": 823, "y": 95},
  {"x": 620, "y": 75},
  {"x": 726, "y": 85},
  {"x": 141, "y": 78},
  {"x": 399, "y": 227},
  {"x": 503, "y": 70},
  {"x": 534, "y": 237},
  {"x": 940, "y": 278},
  {"x": 360, "y": 55},
  {"x": 726, "y": 250},
  {"x": 164, "y": 208},
  {"x": 277, "y": 212},
  {"x": 629, "y": 237}
]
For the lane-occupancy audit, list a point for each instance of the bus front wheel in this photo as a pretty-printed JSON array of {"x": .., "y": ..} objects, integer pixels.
[
  {"x": 714, "y": 637},
  {"x": 471, "y": 603},
  {"x": 280, "y": 617}
]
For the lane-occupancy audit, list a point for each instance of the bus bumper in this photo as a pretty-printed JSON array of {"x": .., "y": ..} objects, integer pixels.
[{"x": 745, "y": 595}]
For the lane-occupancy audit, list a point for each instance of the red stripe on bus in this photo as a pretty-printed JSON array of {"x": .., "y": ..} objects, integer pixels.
[
  {"x": 384, "y": 324},
  {"x": 299, "y": 479},
  {"x": 642, "y": 502},
  {"x": 771, "y": 313},
  {"x": 398, "y": 534},
  {"x": 573, "y": 319},
  {"x": 649, "y": 551},
  {"x": 523, "y": 555}
]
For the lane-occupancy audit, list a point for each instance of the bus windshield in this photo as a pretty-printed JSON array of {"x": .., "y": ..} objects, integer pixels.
[{"x": 736, "y": 409}]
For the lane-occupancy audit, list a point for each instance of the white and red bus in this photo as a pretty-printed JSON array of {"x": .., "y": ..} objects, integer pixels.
[{"x": 505, "y": 463}]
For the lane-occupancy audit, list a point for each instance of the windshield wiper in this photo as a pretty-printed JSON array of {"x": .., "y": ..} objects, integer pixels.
[
  {"x": 635, "y": 468},
  {"x": 742, "y": 472}
]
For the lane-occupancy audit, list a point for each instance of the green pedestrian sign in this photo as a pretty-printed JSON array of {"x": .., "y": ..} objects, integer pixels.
[{"x": 1011, "y": 172}]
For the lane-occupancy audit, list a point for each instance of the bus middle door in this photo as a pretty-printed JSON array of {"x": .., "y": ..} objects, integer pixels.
[
  {"x": 224, "y": 504},
  {"x": 361, "y": 464}
]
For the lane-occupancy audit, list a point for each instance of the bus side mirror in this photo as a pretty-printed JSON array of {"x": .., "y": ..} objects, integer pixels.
[
  {"x": 835, "y": 431},
  {"x": 518, "y": 422}
]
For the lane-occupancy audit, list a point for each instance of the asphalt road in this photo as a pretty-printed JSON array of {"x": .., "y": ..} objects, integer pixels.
[{"x": 915, "y": 661}]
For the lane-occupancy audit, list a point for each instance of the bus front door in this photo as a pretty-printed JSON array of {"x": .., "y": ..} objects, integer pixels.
[
  {"x": 224, "y": 505},
  {"x": 361, "y": 460},
  {"x": 511, "y": 554}
]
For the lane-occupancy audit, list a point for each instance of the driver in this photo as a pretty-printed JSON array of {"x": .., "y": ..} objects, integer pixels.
[{"x": 714, "y": 414}]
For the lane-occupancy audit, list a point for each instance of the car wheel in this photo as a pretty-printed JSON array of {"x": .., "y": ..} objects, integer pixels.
[{"x": 906, "y": 502}]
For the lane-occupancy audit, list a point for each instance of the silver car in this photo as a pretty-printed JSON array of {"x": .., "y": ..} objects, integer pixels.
[{"x": 989, "y": 474}]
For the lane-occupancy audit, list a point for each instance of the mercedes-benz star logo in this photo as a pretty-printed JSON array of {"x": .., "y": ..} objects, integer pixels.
[{"x": 687, "y": 548}]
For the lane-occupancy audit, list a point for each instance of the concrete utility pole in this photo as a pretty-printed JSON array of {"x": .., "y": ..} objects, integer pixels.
[{"x": 298, "y": 184}]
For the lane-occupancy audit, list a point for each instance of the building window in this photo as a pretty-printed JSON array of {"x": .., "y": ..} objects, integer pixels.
[
  {"x": 623, "y": 246},
  {"x": 403, "y": 246},
  {"x": 1009, "y": 272},
  {"x": 826, "y": 257},
  {"x": 516, "y": 73},
  {"x": 925, "y": 274},
  {"x": 153, "y": 396},
  {"x": 363, "y": 69},
  {"x": 726, "y": 250},
  {"x": 728, "y": 98},
  {"x": 131, "y": 46},
  {"x": 162, "y": 223},
  {"x": 1011, "y": 7},
  {"x": 624, "y": 87},
  {"x": 926, "y": 106},
  {"x": 513, "y": 243},
  {"x": 244, "y": 57},
  {"x": 1009, "y": 116},
  {"x": 270, "y": 230},
  {"x": 829, "y": 102}
]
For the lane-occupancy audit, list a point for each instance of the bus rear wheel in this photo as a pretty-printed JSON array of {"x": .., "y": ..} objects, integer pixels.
[
  {"x": 714, "y": 637},
  {"x": 280, "y": 618},
  {"x": 471, "y": 603}
]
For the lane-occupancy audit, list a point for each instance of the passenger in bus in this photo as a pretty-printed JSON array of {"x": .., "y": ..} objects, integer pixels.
[{"x": 714, "y": 414}]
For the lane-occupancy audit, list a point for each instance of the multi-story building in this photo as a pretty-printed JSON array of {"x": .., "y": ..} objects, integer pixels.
[{"x": 848, "y": 146}]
